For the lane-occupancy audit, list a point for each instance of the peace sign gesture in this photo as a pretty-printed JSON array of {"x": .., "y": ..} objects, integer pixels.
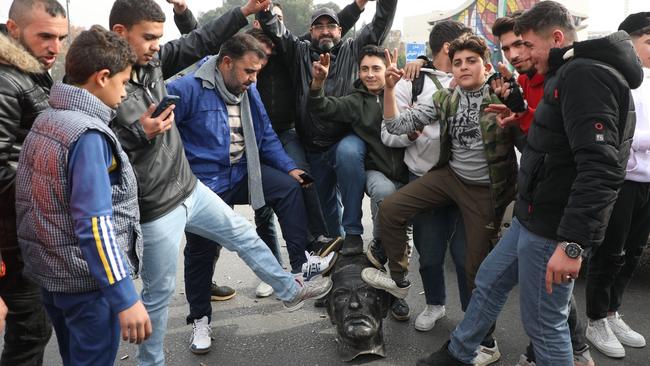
[
  {"x": 393, "y": 74},
  {"x": 319, "y": 72}
]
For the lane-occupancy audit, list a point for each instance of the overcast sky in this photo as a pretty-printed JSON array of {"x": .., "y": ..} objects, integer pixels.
[{"x": 604, "y": 15}]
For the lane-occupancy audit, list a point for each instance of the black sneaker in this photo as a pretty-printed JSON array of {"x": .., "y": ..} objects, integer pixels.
[
  {"x": 442, "y": 357},
  {"x": 376, "y": 255},
  {"x": 352, "y": 245},
  {"x": 400, "y": 310},
  {"x": 221, "y": 293},
  {"x": 324, "y": 245}
]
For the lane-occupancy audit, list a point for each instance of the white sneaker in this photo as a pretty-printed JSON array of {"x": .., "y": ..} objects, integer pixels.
[
  {"x": 601, "y": 336},
  {"x": 624, "y": 333},
  {"x": 263, "y": 290},
  {"x": 316, "y": 265},
  {"x": 487, "y": 355},
  {"x": 524, "y": 361},
  {"x": 201, "y": 336},
  {"x": 382, "y": 280},
  {"x": 428, "y": 317},
  {"x": 316, "y": 289}
]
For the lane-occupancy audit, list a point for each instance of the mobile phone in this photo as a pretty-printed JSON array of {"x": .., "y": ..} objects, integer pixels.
[
  {"x": 167, "y": 101},
  {"x": 306, "y": 179}
]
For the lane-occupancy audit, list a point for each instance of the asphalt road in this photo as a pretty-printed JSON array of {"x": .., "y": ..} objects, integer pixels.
[{"x": 250, "y": 331}]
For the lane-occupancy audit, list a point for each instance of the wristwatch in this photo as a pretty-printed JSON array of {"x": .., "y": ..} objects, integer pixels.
[{"x": 572, "y": 250}]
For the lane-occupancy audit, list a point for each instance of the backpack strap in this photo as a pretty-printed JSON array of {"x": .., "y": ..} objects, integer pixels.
[{"x": 418, "y": 85}]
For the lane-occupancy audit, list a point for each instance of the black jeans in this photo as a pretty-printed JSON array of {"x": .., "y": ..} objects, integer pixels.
[
  {"x": 612, "y": 264},
  {"x": 28, "y": 328}
]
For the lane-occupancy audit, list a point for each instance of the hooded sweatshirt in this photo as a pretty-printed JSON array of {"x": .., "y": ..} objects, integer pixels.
[{"x": 638, "y": 165}]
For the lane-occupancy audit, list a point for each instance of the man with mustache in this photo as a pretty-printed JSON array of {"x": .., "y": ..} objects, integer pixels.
[{"x": 30, "y": 42}]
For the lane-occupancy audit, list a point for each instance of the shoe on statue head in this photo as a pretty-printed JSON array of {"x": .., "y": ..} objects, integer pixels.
[
  {"x": 400, "y": 310},
  {"x": 376, "y": 255},
  {"x": 428, "y": 317},
  {"x": 263, "y": 290},
  {"x": 316, "y": 265},
  {"x": 601, "y": 336},
  {"x": 624, "y": 333},
  {"x": 487, "y": 355},
  {"x": 314, "y": 289},
  {"x": 221, "y": 293},
  {"x": 352, "y": 245},
  {"x": 324, "y": 245},
  {"x": 201, "y": 336},
  {"x": 382, "y": 280},
  {"x": 441, "y": 357}
]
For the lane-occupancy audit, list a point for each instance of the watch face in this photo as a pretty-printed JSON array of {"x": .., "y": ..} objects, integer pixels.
[{"x": 573, "y": 250}]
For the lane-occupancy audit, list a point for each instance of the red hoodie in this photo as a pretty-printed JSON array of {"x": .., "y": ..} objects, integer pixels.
[{"x": 533, "y": 92}]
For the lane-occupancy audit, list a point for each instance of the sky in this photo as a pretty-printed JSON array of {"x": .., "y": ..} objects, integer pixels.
[{"x": 604, "y": 15}]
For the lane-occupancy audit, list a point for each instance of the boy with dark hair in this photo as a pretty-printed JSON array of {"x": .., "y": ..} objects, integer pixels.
[
  {"x": 571, "y": 169},
  {"x": 612, "y": 264},
  {"x": 76, "y": 201},
  {"x": 476, "y": 170}
]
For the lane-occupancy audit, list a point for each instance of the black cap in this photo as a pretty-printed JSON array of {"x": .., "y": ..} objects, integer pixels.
[
  {"x": 324, "y": 12},
  {"x": 635, "y": 22}
]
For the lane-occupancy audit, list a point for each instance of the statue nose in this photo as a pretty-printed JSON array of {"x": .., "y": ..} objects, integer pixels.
[{"x": 354, "y": 305}]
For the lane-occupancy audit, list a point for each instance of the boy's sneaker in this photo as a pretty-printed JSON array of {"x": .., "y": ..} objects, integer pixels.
[
  {"x": 624, "y": 333},
  {"x": 352, "y": 245},
  {"x": 428, "y": 317},
  {"x": 582, "y": 357},
  {"x": 524, "y": 361},
  {"x": 400, "y": 310},
  {"x": 315, "y": 289},
  {"x": 376, "y": 255},
  {"x": 324, "y": 245},
  {"x": 601, "y": 336},
  {"x": 263, "y": 290},
  {"x": 221, "y": 293},
  {"x": 201, "y": 336},
  {"x": 487, "y": 355},
  {"x": 382, "y": 280},
  {"x": 316, "y": 265},
  {"x": 442, "y": 357}
]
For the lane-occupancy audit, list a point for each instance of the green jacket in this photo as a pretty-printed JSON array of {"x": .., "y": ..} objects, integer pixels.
[
  {"x": 498, "y": 144},
  {"x": 364, "y": 112}
]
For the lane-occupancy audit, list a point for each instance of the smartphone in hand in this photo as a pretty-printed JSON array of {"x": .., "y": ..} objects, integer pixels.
[
  {"x": 167, "y": 101},
  {"x": 306, "y": 179}
]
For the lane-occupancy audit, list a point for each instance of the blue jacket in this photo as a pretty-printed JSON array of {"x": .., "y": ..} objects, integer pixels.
[{"x": 202, "y": 119}]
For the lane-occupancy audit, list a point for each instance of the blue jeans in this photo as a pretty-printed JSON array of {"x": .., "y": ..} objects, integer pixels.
[
  {"x": 205, "y": 214},
  {"x": 340, "y": 178},
  {"x": 378, "y": 187},
  {"x": 519, "y": 257},
  {"x": 433, "y": 231},
  {"x": 281, "y": 192}
]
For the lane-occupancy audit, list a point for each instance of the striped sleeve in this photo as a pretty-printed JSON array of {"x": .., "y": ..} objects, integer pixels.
[{"x": 91, "y": 171}]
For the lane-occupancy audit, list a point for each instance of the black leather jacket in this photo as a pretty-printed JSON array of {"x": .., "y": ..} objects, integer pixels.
[
  {"x": 344, "y": 68},
  {"x": 163, "y": 173},
  {"x": 24, "y": 88}
]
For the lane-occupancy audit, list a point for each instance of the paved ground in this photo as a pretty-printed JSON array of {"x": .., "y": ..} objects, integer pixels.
[{"x": 250, "y": 331}]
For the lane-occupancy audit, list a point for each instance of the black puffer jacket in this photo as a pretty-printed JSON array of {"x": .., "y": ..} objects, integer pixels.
[
  {"x": 344, "y": 68},
  {"x": 24, "y": 87},
  {"x": 163, "y": 173},
  {"x": 579, "y": 142}
]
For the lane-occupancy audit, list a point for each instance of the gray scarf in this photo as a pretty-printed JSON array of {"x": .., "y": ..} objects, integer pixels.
[{"x": 255, "y": 190}]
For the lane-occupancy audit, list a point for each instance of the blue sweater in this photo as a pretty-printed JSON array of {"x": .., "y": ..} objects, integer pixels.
[{"x": 202, "y": 119}]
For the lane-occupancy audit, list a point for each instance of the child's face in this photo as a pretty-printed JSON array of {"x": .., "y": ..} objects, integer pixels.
[
  {"x": 372, "y": 72},
  {"x": 114, "y": 88},
  {"x": 469, "y": 70}
]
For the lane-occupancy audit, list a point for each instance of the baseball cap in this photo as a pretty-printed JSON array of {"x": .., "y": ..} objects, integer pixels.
[
  {"x": 324, "y": 12},
  {"x": 635, "y": 22}
]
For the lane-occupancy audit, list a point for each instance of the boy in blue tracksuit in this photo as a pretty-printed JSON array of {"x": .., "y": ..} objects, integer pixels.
[{"x": 76, "y": 200}]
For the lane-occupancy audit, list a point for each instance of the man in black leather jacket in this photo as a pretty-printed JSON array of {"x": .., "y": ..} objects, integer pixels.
[{"x": 29, "y": 45}]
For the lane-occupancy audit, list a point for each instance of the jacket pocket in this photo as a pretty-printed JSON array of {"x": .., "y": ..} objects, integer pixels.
[{"x": 530, "y": 173}]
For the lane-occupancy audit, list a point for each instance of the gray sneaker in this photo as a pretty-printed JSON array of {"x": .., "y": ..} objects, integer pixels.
[{"x": 314, "y": 289}]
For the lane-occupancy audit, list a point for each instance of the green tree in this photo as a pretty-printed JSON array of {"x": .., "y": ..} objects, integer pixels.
[{"x": 217, "y": 12}]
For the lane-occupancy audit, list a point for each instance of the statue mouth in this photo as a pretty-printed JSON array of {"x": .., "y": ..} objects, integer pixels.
[{"x": 359, "y": 321}]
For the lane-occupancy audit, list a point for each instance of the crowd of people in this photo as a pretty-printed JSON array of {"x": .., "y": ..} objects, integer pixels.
[{"x": 142, "y": 144}]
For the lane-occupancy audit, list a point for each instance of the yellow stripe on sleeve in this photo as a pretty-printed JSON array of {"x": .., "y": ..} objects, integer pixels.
[{"x": 100, "y": 250}]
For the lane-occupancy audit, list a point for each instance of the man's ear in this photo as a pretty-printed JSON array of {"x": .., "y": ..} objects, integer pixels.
[
  {"x": 119, "y": 29},
  {"x": 445, "y": 48},
  {"x": 488, "y": 67},
  {"x": 100, "y": 78},
  {"x": 13, "y": 29},
  {"x": 558, "y": 37}
]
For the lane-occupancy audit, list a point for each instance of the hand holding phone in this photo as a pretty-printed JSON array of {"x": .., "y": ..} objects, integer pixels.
[{"x": 167, "y": 102}]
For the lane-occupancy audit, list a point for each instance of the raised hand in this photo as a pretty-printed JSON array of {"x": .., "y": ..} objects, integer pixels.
[
  {"x": 179, "y": 6},
  {"x": 393, "y": 74},
  {"x": 412, "y": 69},
  {"x": 500, "y": 85},
  {"x": 320, "y": 70},
  {"x": 255, "y": 6}
]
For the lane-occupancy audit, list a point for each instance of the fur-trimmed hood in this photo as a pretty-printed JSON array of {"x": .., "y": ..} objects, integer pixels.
[{"x": 12, "y": 53}]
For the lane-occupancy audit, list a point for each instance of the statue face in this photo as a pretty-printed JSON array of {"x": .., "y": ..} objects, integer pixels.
[{"x": 357, "y": 309}]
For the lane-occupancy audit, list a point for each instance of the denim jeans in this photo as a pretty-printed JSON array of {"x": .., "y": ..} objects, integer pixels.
[
  {"x": 340, "y": 176},
  {"x": 433, "y": 232},
  {"x": 519, "y": 257},
  {"x": 205, "y": 214},
  {"x": 378, "y": 187}
]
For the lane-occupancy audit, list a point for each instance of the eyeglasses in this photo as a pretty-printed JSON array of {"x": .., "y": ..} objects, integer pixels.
[{"x": 322, "y": 27}]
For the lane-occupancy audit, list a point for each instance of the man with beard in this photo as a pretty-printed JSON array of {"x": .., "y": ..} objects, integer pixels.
[{"x": 29, "y": 45}]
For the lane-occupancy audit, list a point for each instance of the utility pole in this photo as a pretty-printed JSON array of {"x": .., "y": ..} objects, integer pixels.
[{"x": 67, "y": 11}]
